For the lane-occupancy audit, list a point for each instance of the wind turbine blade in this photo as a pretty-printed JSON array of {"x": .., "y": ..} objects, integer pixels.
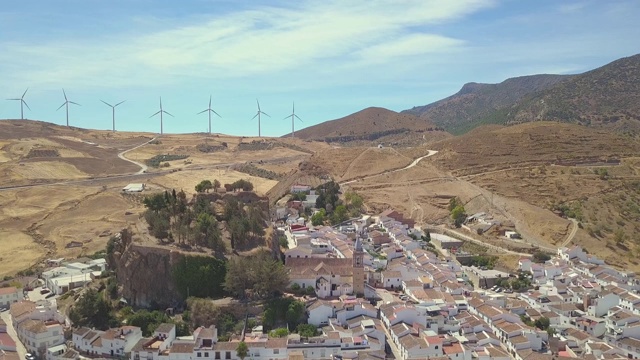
[
  {"x": 254, "y": 116},
  {"x": 264, "y": 113},
  {"x": 209, "y": 101},
  {"x": 25, "y": 93},
  {"x": 74, "y": 103},
  {"x": 216, "y": 113},
  {"x": 65, "y": 95},
  {"x": 160, "y": 102},
  {"x": 258, "y": 102},
  {"x": 202, "y": 111},
  {"x": 119, "y": 103},
  {"x": 65, "y": 103},
  {"x": 25, "y": 104},
  {"x": 154, "y": 114},
  {"x": 286, "y": 117},
  {"x": 166, "y": 112},
  {"x": 297, "y": 117},
  {"x": 106, "y": 103},
  {"x": 15, "y": 99}
]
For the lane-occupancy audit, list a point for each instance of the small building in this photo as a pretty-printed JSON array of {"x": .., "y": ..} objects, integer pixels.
[
  {"x": 134, "y": 188},
  {"x": 297, "y": 188},
  {"x": 8, "y": 296}
]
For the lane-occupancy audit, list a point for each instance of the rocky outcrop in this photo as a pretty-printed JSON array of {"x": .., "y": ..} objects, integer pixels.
[{"x": 144, "y": 273}]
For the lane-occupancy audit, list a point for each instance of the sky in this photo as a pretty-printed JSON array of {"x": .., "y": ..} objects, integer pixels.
[{"x": 331, "y": 57}]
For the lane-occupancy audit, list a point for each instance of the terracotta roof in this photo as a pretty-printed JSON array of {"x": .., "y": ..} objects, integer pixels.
[
  {"x": 165, "y": 328},
  {"x": 276, "y": 343},
  {"x": 8, "y": 290},
  {"x": 22, "y": 307},
  {"x": 182, "y": 348},
  {"x": 320, "y": 266},
  {"x": 34, "y": 326},
  {"x": 226, "y": 346}
]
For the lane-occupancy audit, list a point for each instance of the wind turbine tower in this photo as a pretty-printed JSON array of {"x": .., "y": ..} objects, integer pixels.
[
  {"x": 161, "y": 112},
  {"x": 22, "y": 104},
  {"x": 209, "y": 110},
  {"x": 258, "y": 115},
  {"x": 293, "y": 117},
  {"x": 66, "y": 104},
  {"x": 113, "y": 112}
]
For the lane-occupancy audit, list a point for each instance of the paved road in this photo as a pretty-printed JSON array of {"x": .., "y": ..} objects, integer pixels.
[
  {"x": 143, "y": 167},
  {"x": 414, "y": 163},
  {"x": 12, "y": 332}
]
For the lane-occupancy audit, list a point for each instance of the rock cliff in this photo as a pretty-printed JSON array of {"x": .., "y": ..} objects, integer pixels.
[{"x": 145, "y": 272}]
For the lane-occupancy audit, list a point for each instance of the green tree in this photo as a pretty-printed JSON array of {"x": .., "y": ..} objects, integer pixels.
[
  {"x": 319, "y": 218},
  {"x": 92, "y": 310},
  {"x": 295, "y": 313},
  {"x": 339, "y": 214},
  {"x": 279, "y": 332},
  {"x": 189, "y": 272},
  {"x": 453, "y": 203},
  {"x": 242, "y": 350},
  {"x": 148, "y": 321},
  {"x": 542, "y": 323},
  {"x": 261, "y": 273},
  {"x": 458, "y": 215},
  {"x": 216, "y": 185},
  {"x": 306, "y": 330},
  {"x": 155, "y": 202},
  {"x": 283, "y": 242},
  {"x": 204, "y": 186}
]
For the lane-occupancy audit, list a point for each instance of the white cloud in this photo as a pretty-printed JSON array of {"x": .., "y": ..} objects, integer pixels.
[{"x": 244, "y": 43}]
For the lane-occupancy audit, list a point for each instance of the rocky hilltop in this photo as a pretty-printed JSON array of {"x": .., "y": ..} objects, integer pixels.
[{"x": 478, "y": 104}]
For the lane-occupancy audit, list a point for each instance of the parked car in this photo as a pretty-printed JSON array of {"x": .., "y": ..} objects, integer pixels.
[
  {"x": 50, "y": 295},
  {"x": 29, "y": 356},
  {"x": 44, "y": 291}
]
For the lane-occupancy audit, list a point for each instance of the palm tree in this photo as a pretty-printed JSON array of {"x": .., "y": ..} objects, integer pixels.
[{"x": 242, "y": 350}]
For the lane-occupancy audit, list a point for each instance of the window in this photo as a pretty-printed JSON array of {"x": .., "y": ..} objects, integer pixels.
[
  {"x": 227, "y": 355},
  {"x": 436, "y": 347},
  {"x": 217, "y": 355},
  {"x": 199, "y": 354},
  {"x": 206, "y": 354},
  {"x": 276, "y": 351}
]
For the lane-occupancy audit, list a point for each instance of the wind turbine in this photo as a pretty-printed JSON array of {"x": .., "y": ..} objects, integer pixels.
[
  {"x": 293, "y": 116},
  {"x": 113, "y": 112},
  {"x": 161, "y": 112},
  {"x": 22, "y": 103},
  {"x": 209, "y": 110},
  {"x": 258, "y": 115},
  {"x": 66, "y": 103}
]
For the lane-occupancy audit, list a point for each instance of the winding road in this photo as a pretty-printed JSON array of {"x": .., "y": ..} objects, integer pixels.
[
  {"x": 572, "y": 234},
  {"x": 143, "y": 167},
  {"x": 414, "y": 163}
]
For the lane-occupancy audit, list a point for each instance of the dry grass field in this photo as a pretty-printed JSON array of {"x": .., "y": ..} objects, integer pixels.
[
  {"x": 38, "y": 222},
  {"x": 516, "y": 174}
]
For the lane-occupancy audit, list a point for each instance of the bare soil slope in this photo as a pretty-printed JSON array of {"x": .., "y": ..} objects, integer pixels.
[{"x": 373, "y": 124}]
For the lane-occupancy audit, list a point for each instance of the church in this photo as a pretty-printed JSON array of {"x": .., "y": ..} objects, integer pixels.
[{"x": 331, "y": 277}]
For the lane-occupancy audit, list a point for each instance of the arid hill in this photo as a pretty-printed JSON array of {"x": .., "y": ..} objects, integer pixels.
[
  {"x": 373, "y": 125},
  {"x": 607, "y": 97},
  {"x": 477, "y": 104},
  {"x": 60, "y": 188}
]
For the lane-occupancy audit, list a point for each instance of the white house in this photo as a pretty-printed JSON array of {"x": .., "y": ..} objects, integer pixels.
[{"x": 8, "y": 296}]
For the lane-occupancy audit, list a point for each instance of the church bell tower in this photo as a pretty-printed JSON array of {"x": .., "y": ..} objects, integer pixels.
[{"x": 358, "y": 269}]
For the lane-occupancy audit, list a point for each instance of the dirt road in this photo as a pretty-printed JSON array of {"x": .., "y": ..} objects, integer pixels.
[
  {"x": 573, "y": 232},
  {"x": 143, "y": 167},
  {"x": 414, "y": 163}
]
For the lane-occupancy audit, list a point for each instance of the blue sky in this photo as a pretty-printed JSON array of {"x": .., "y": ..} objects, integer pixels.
[{"x": 332, "y": 57}]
